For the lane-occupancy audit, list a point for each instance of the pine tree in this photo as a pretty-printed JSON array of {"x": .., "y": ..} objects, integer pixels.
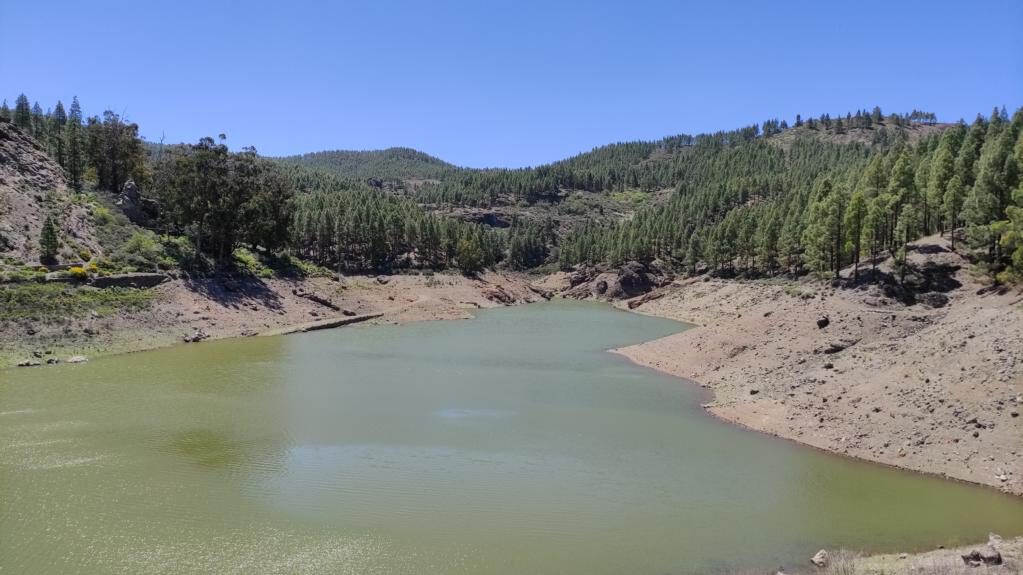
[
  {"x": 942, "y": 170},
  {"x": 855, "y": 217},
  {"x": 48, "y": 242},
  {"x": 56, "y": 134},
  {"x": 38, "y": 123},
  {"x": 23, "y": 113},
  {"x": 969, "y": 152},
  {"x": 874, "y": 226},
  {"x": 74, "y": 144},
  {"x": 905, "y": 231},
  {"x": 823, "y": 235},
  {"x": 5, "y": 112},
  {"x": 996, "y": 179},
  {"x": 469, "y": 256},
  {"x": 952, "y": 202}
]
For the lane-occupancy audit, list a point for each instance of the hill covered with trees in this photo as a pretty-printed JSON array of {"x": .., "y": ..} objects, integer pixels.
[
  {"x": 775, "y": 198},
  {"x": 390, "y": 164},
  {"x": 742, "y": 204}
]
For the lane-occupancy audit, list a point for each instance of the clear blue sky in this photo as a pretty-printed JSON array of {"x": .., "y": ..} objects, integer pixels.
[{"x": 508, "y": 83}]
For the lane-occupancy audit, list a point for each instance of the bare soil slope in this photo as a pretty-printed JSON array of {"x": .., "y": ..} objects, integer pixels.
[{"x": 935, "y": 388}]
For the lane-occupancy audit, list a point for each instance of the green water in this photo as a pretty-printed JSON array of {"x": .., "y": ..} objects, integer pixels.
[{"x": 508, "y": 444}]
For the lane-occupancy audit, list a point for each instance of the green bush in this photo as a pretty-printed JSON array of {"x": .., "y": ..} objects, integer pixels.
[
  {"x": 248, "y": 262},
  {"x": 102, "y": 216},
  {"x": 180, "y": 251},
  {"x": 141, "y": 252}
]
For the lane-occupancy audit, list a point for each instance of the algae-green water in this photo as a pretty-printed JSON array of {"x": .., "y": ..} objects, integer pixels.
[{"x": 507, "y": 444}]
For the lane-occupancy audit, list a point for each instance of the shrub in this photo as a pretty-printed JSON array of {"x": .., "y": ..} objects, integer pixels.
[
  {"x": 287, "y": 265},
  {"x": 78, "y": 273},
  {"x": 141, "y": 252},
  {"x": 179, "y": 250},
  {"x": 92, "y": 268},
  {"x": 86, "y": 255},
  {"x": 248, "y": 262},
  {"x": 102, "y": 216}
]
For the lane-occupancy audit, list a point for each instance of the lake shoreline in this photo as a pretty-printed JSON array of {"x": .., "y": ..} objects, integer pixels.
[
  {"x": 748, "y": 415},
  {"x": 865, "y": 385},
  {"x": 185, "y": 311}
]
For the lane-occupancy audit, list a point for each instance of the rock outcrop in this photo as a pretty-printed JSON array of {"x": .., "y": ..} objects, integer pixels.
[
  {"x": 631, "y": 279},
  {"x": 138, "y": 209}
]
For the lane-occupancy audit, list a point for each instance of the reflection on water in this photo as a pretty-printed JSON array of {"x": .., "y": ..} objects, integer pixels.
[{"x": 507, "y": 444}]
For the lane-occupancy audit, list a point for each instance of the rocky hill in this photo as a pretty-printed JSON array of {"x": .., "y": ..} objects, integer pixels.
[{"x": 32, "y": 186}]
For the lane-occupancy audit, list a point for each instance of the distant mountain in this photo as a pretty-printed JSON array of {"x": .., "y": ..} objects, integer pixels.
[{"x": 392, "y": 163}]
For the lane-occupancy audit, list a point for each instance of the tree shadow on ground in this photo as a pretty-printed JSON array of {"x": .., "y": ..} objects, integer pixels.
[
  {"x": 918, "y": 280},
  {"x": 234, "y": 291}
]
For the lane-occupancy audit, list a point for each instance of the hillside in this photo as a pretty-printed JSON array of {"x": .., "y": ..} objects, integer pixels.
[
  {"x": 389, "y": 164},
  {"x": 141, "y": 290},
  {"x": 31, "y": 186},
  {"x": 912, "y": 133}
]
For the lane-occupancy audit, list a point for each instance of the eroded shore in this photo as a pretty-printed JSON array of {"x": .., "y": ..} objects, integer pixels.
[
  {"x": 215, "y": 308},
  {"x": 935, "y": 389}
]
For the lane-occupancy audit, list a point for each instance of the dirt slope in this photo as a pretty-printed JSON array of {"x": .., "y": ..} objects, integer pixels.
[{"x": 925, "y": 387}]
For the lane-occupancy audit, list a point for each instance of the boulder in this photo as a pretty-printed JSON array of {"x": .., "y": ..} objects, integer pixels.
[
  {"x": 316, "y": 299},
  {"x": 820, "y": 559},
  {"x": 29, "y": 363},
  {"x": 498, "y": 295},
  {"x": 77, "y": 359},
  {"x": 196, "y": 336},
  {"x": 986, "y": 555},
  {"x": 578, "y": 277},
  {"x": 823, "y": 322},
  {"x": 646, "y": 298}
]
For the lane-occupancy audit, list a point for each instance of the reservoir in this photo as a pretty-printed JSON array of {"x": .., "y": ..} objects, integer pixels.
[{"x": 512, "y": 443}]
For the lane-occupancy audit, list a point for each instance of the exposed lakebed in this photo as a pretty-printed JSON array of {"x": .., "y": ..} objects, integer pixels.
[{"x": 512, "y": 443}]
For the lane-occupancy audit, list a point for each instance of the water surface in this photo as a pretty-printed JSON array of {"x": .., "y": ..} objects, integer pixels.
[{"x": 508, "y": 444}]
